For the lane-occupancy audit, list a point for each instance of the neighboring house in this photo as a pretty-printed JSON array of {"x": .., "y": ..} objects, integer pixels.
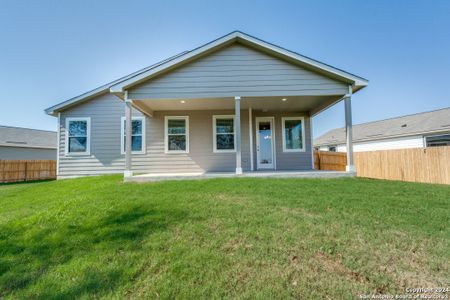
[
  {"x": 426, "y": 129},
  {"x": 235, "y": 104},
  {"x": 23, "y": 143}
]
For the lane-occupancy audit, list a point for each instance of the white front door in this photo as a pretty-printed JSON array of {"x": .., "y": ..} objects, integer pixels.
[{"x": 264, "y": 143}]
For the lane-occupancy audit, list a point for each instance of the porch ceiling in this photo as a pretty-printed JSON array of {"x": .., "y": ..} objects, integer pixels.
[{"x": 312, "y": 104}]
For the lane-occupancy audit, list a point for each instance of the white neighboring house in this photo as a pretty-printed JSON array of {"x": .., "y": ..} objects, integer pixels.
[
  {"x": 18, "y": 143},
  {"x": 419, "y": 130}
]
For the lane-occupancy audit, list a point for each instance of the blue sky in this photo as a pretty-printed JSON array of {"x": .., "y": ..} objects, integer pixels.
[{"x": 53, "y": 50}]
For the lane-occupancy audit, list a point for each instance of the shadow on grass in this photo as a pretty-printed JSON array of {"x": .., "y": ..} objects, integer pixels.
[
  {"x": 28, "y": 252},
  {"x": 25, "y": 182}
]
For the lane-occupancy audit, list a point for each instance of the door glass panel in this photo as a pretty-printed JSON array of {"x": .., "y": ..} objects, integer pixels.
[{"x": 265, "y": 143}]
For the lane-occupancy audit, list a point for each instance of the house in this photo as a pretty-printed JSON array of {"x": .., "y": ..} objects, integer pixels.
[
  {"x": 236, "y": 104},
  {"x": 18, "y": 143},
  {"x": 425, "y": 129}
]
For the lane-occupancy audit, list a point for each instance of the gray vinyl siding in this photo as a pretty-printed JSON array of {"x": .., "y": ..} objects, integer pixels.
[
  {"x": 106, "y": 158},
  {"x": 287, "y": 160},
  {"x": 105, "y": 112},
  {"x": 237, "y": 70},
  {"x": 19, "y": 153}
]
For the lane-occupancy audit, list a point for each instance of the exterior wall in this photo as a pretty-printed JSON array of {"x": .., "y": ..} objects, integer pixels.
[
  {"x": 19, "y": 153},
  {"x": 237, "y": 70},
  {"x": 105, "y": 157},
  {"x": 286, "y": 160},
  {"x": 105, "y": 112},
  {"x": 387, "y": 144}
]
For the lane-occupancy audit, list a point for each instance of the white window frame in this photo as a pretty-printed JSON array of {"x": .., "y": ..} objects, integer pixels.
[
  {"x": 122, "y": 135},
  {"x": 219, "y": 117},
  {"x": 283, "y": 119},
  {"x": 166, "y": 136},
  {"x": 88, "y": 136}
]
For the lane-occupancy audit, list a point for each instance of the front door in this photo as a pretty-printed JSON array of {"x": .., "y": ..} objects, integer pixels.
[{"x": 264, "y": 143}]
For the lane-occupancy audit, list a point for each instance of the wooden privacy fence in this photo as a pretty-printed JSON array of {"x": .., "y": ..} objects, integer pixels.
[
  {"x": 430, "y": 165},
  {"x": 326, "y": 160},
  {"x": 27, "y": 170}
]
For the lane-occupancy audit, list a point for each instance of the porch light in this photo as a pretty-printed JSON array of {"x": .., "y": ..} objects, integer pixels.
[
  {"x": 284, "y": 99},
  {"x": 182, "y": 101}
]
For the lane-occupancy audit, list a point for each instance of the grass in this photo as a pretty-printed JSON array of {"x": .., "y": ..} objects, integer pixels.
[{"x": 222, "y": 238}]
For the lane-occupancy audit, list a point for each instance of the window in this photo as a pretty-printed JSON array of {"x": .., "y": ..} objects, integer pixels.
[
  {"x": 438, "y": 140},
  {"x": 176, "y": 136},
  {"x": 137, "y": 135},
  {"x": 293, "y": 134},
  {"x": 223, "y": 134},
  {"x": 332, "y": 148},
  {"x": 78, "y": 131}
]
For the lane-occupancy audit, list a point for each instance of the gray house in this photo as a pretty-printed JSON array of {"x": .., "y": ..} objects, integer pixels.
[
  {"x": 426, "y": 129},
  {"x": 237, "y": 104},
  {"x": 18, "y": 143}
]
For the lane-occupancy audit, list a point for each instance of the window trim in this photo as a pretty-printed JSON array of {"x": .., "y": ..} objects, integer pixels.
[
  {"x": 88, "y": 136},
  {"x": 122, "y": 135},
  {"x": 283, "y": 119},
  {"x": 166, "y": 134},
  {"x": 218, "y": 117}
]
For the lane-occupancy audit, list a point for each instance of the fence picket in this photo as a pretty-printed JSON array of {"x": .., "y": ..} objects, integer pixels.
[{"x": 27, "y": 170}]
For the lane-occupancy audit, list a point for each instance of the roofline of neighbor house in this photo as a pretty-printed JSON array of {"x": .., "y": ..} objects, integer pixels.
[
  {"x": 118, "y": 87},
  {"x": 28, "y": 147},
  {"x": 17, "y": 127},
  {"x": 386, "y": 137}
]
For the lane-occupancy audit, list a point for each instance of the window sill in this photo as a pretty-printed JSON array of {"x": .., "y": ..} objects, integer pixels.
[
  {"x": 176, "y": 152},
  {"x": 293, "y": 150},
  {"x": 76, "y": 154},
  {"x": 135, "y": 153},
  {"x": 224, "y": 151}
]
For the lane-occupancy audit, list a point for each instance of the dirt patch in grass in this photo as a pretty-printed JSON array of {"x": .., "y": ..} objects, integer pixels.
[{"x": 334, "y": 265}]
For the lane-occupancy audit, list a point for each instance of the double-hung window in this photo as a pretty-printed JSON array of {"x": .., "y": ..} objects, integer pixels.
[
  {"x": 176, "y": 137},
  {"x": 78, "y": 136},
  {"x": 224, "y": 134},
  {"x": 293, "y": 129},
  {"x": 137, "y": 135}
]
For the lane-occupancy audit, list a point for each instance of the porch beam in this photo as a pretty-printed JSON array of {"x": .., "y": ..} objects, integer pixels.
[
  {"x": 349, "y": 130},
  {"x": 145, "y": 110},
  {"x": 128, "y": 117},
  {"x": 237, "y": 109},
  {"x": 250, "y": 135}
]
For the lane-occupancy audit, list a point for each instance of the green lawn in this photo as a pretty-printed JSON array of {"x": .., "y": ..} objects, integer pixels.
[{"x": 222, "y": 238}]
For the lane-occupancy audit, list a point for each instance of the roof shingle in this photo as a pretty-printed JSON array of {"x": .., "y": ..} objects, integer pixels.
[{"x": 420, "y": 123}]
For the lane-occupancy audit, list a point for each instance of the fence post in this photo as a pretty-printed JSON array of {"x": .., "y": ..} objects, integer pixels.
[
  {"x": 319, "y": 161},
  {"x": 26, "y": 170}
]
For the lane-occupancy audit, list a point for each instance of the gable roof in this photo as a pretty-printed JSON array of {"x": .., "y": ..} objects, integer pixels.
[
  {"x": 421, "y": 123},
  {"x": 100, "y": 90},
  {"x": 119, "y": 86},
  {"x": 27, "y": 138}
]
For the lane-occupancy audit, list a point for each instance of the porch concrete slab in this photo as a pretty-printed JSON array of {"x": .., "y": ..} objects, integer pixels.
[{"x": 262, "y": 174}]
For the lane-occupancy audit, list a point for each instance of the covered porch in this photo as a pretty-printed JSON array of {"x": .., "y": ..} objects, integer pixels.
[{"x": 262, "y": 136}]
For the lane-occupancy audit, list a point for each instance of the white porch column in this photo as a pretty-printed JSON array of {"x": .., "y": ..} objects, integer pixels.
[
  {"x": 311, "y": 140},
  {"x": 128, "y": 117},
  {"x": 237, "y": 109},
  {"x": 250, "y": 135},
  {"x": 348, "y": 131}
]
